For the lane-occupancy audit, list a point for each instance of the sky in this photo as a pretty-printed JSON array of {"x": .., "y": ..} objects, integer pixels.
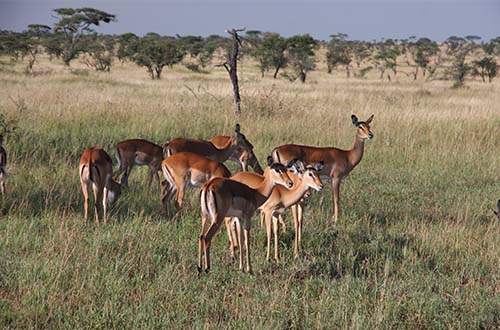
[{"x": 360, "y": 19}]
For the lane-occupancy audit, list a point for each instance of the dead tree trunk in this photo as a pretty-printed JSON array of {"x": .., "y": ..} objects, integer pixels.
[{"x": 231, "y": 66}]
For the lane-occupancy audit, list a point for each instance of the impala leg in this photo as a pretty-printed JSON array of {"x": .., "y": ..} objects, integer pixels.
[
  {"x": 228, "y": 221},
  {"x": 282, "y": 223},
  {"x": 180, "y": 187},
  {"x": 2, "y": 182},
  {"x": 201, "y": 244},
  {"x": 85, "y": 190},
  {"x": 268, "y": 234},
  {"x": 239, "y": 236},
  {"x": 105, "y": 204},
  {"x": 97, "y": 201},
  {"x": 262, "y": 219},
  {"x": 336, "y": 191},
  {"x": 208, "y": 238},
  {"x": 296, "y": 229},
  {"x": 276, "y": 238},
  {"x": 247, "y": 226},
  {"x": 150, "y": 177},
  {"x": 300, "y": 217}
]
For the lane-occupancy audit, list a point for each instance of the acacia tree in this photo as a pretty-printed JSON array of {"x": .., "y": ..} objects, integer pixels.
[
  {"x": 485, "y": 67},
  {"x": 72, "y": 26},
  {"x": 34, "y": 38},
  {"x": 301, "y": 54},
  {"x": 99, "y": 52},
  {"x": 339, "y": 53},
  {"x": 422, "y": 51},
  {"x": 386, "y": 57},
  {"x": 155, "y": 52},
  {"x": 270, "y": 52}
]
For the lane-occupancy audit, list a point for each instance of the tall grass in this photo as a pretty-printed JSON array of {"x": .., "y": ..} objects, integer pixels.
[{"x": 417, "y": 245}]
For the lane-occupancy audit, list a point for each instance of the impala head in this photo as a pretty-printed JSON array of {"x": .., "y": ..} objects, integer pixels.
[
  {"x": 363, "y": 127},
  {"x": 311, "y": 176},
  {"x": 240, "y": 140},
  {"x": 248, "y": 158},
  {"x": 278, "y": 173},
  {"x": 114, "y": 191}
]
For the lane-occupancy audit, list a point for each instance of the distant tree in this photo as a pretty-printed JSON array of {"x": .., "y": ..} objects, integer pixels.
[
  {"x": 155, "y": 52},
  {"x": 99, "y": 51},
  {"x": 459, "y": 69},
  {"x": 301, "y": 54},
  {"x": 33, "y": 39},
  {"x": 455, "y": 42},
  {"x": 270, "y": 52},
  {"x": 339, "y": 53},
  {"x": 386, "y": 57},
  {"x": 125, "y": 46},
  {"x": 361, "y": 52},
  {"x": 198, "y": 49},
  {"x": 485, "y": 67},
  {"x": 12, "y": 44},
  {"x": 72, "y": 25},
  {"x": 423, "y": 49}
]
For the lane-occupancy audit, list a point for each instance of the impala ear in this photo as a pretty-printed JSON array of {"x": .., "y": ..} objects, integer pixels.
[
  {"x": 269, "y": 161},
  {"x": 354, "y": 120},
  {"x": 369, "y": 120},
  {"x": 237, "y": 128},
  {"x": 319, "y": 166},
  {"x": 291, "y": 163}
]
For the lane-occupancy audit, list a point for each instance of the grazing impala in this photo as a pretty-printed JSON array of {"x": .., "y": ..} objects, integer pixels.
[
  {"x": 221, "y": 198},
  {"x": 96, "y": 170},
  {"x": 207, "y": 149},
  {"x": 282, "y": 198},
  {"x": 3, "y": 166},
  {"x": 138, "y": 152},
  {"x": 243, "y": 157},
  {"x": 338, "y": 163},
  {"x": 185, "y": 168}
]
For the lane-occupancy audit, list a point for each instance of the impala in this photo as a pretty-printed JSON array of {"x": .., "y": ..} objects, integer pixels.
[
  {"x": 138, "y": 152},
  {"x": 96, "y": 170},
  {"x": 3, "y": 166},
  {"x": 253, "y": 180},
  {"x": 338, "y": 163},
  {"x": 282, "y": 198},
  {"x": 185, "y": 168},
  {"x": 243, "y": 157},
  {"x": 221, "y": 198},
  {"x": 207, "y": 149}
]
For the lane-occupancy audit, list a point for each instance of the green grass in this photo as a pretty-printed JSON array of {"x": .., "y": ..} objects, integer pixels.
[{"x": 417, "y": 245}]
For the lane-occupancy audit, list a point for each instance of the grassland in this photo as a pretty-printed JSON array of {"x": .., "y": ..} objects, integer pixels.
[{"x": 417, "y": 246}]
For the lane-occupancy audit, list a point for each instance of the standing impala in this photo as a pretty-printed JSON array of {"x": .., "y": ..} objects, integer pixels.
[
  {"x": 207, "y": 149},
  {"x": 96, "y": 170},
  {"x": 282, "y": 198},
  {"x": 253, "y": 180},
  {"x": 3, "y": 166},
  {"x": 187, "y": 168},
  {"x": 338, "y": 163},
  {"x": 243, "y": 157},
  {"x": 221, "y": 198},
  {"x": 138, "y": 152}
]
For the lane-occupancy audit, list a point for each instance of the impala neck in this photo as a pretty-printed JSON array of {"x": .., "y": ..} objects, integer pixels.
[
  {"x": 265, "y": 188},
  {"x": 293, "y": 196},
  {"x": 227, "y": 149},
  {"x": 356, "y": 153}
]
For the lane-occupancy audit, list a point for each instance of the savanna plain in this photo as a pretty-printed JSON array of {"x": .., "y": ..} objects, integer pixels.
[{"x": 417, "y": 245}]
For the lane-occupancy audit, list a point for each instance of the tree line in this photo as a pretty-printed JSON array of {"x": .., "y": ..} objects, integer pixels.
[{"x": 72, "y": 37}]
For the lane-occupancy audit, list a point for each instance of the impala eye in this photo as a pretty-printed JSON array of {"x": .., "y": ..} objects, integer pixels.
[{"x": 310, "y": 174}]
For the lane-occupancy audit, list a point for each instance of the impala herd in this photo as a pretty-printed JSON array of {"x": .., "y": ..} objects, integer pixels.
[{"x": 292, "y": 170}]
